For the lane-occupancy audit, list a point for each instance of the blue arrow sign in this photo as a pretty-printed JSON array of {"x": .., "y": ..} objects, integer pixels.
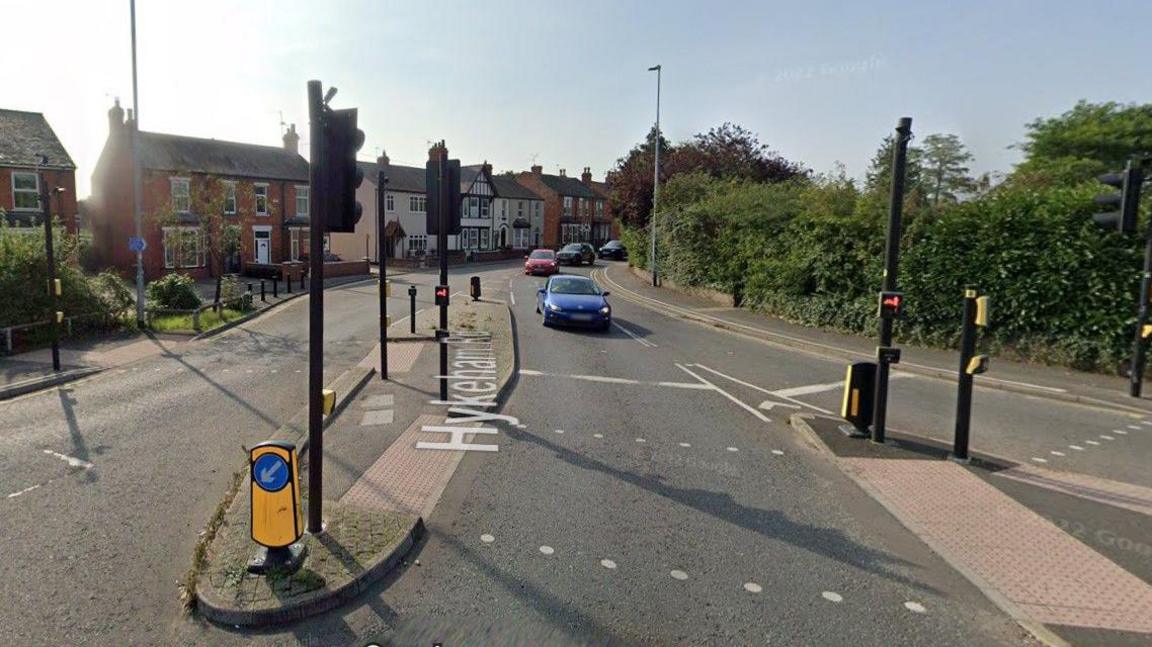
[
  {"x": 270, "y": 472},
  {"x": 137, "y": 244}
]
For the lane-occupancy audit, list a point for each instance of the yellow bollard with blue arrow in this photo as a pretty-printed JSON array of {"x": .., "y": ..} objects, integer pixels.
[{"x": 277, "y": 521}]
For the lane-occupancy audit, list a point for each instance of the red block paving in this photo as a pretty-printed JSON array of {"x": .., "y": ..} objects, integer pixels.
[
  {"x": 401, "y": 357},
  {"x": 1038, "y": 571}
]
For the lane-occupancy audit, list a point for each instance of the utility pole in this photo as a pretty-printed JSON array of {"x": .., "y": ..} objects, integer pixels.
[
  {"x": 318, "y": 197},
  {"x": 655, "y": 178},
  {"x": 885, "y": 354},
  {"x": 137, "y": 187},
  {"x": 53, "y": 289},
  {"x": 381, "y": 191},
  {"x": 442, "y": 207}
]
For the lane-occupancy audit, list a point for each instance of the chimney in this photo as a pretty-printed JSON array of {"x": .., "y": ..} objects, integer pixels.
[
  {"x": 292, "y": 140},
  {"x": 434, "y": 152},
  {"x": 563, "y": 173},
  {"x": 115, "y": 118},
  {"x": 537, "y": 169},
  {"x": 382, "y": 161},
  {"x": 486, "y": 168},
  {"x": 586, "y": 177},
  {"x": 130, "y": 122}
]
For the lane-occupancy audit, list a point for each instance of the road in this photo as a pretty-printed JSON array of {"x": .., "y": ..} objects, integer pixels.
[{"x": 655, "y": 493}]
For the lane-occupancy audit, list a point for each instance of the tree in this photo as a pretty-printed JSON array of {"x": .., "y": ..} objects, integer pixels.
[
  {"x": 731, "y": 152},
  {"x": 204, "y": 227},
  {"x": 1089, "y": 139},
  {"x": 631, "y": 180},
  {"x": 878, "y": 180},
  {"x": 943, "y": 166}
]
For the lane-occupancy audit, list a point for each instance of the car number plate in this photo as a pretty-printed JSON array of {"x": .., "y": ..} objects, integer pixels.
[{"x": 582, "y": 316}]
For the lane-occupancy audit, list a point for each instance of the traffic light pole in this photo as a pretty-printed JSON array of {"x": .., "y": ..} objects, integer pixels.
[
  {"x": 381, "y": 190},
  {"x": 1139, "y": 347},
  {"x": 442, "y": 245},
  {"x": 46, "y": 198},
  {"x": 891, "y": 263},
  {"x": 964, "y": 380},
  {"x": 318, "y": 200}
]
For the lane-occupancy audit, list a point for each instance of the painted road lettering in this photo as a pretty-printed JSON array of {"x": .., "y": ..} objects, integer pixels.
[{"x": 473, "y": 384}]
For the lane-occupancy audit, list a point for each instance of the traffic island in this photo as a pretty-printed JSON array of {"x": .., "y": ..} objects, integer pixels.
[{"x": 358, "y": 547}]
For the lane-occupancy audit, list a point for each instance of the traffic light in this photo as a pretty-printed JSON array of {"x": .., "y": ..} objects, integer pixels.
[
  {"x": 891, "y": 304},
  {"x": 342, "y": 139},
  {"x": 431, "y": 182},
  {"x": 1122, "y": 206},
  {"x": 441, "y": 295}
]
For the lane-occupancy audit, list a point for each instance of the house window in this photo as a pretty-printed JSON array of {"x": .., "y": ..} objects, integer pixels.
[
  {"x": 294, "y": 244},
  {"x": 519, "y": 208},
  {"x": 389, "y": 202},
  {"x": 520, "y": 237},
  {"x": 181, "y": 199},
  {"x": 473, "y": 207},
  {"x": 302, "y": 195},
  {"x": 567, "y": 206},
  {"x": 25, "y": 192},
  {"x": 230, "y": 198},
  {"x": 183, "y": 247},
  {"x": 261, "y": 191},
  {"x": 503, "y": 209},
  {"x": 484, "y": 204},
  {"x": 572, "y": 232},
  {"x": 599, "y": 208},
  {"x": 485, "y": 238},
  {"x": 417, "y": 203},
  {"x": 417, "y": 243}
]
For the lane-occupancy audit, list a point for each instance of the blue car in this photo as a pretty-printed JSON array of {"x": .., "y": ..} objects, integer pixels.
[{"x": 573, "y": 301}]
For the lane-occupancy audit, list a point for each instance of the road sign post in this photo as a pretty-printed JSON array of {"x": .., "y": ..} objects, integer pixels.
[
  {"x": 884, "y": 352},
  {"x": 381, "y": 190},
  {"x": 975, "y": 315},
  {"x": 318, "y": 198},
  {"x": 276, "y": 521},
  {"x": 53, "y": 283},
  {"x": 412, "y": 306}
]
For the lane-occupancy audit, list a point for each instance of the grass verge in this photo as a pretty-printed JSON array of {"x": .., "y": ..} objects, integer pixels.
[{"x": 183, "y": 323}]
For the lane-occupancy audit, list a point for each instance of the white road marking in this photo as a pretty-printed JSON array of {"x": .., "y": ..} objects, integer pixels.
[
  {"x": 614, "y": 380},
  {"x": 915, "y": 607},
  {"x": 1146, "y": 422},
  {"x": 685, "y": 444},
  {"x": 679, "y": 575},
  {"x": 1056, "y": 453},
  {"x": 486, "y": 538},
  {"x": 547, "y": 550},
  {"x": 379, "y": 401},
  {"x": 1107, "y": 437},
  {"x": 1134, "y": 427},
  {"x": 1092, "y": 442},
  {"x": 633, "y": 335},
  {"x": 832, "y": 596},
  {"x": 1120, "y": 431},
  {"x": 71, "y": 460},
  {"x": 768, "y": 405},
  {"x": 733, "y": 449},
  {"x": 607, "y": 563},
  {"x": 641, "y": 440},
  {"x": 24, "y": 491},
  {"x": 777, "y": 452},
  {"x": 512, "y": 296},
  {"x": 763, "y": 390},
  {"x": 829, "y": 386},
  {"x": 559, "y": 431},
  {"x": 1039, "y": 460},
  {"x": 597, "y": 435},
  {"x": 745, "y": 406},
  {"x": 752, "y": 587},
  {"x": 1076, "y": 447}
]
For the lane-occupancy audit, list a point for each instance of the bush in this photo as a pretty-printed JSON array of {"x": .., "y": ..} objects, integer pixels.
[{"x": 173, "y": 292}]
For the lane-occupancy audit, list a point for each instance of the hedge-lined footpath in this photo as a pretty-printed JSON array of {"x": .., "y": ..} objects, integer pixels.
[{"x": 811, "y": 252}]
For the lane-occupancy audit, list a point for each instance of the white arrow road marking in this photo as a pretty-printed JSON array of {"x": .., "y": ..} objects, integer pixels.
[
  {"x": 726, "y": 394},
  {"x": 268, "y": 473},
  {"x": 616, "y": 380},
  {"x": 763, "y": 390},
  {"x": 767, "y": 405},
  {"x": 633, "y": 335}
]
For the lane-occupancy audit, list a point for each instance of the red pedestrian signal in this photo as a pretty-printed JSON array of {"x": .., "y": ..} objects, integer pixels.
[
  {"x": 891, "y": 304},
  {"x": 441, "y": 295}
]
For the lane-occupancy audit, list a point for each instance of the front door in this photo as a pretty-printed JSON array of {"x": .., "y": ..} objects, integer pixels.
[{"x": 263, "y": 243}]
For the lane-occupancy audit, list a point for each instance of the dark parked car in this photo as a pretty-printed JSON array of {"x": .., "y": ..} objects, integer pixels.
[
  {"x": 614, "y": 249},
  {"x": 573, "y": 300},
  {"x": 576, "y": 254}
]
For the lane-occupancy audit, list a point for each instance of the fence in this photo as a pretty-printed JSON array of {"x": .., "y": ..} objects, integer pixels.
[{"x": 10, "y": 332}]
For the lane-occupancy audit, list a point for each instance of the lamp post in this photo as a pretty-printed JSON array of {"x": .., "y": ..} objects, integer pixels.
[
  {"x": 136, "y": 180},
  {"x": 655, "y": 177}
]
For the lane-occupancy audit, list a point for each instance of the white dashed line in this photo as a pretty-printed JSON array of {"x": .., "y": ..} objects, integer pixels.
[
  {"x": 1091, "y": 442},
  {"x": 1107, "y": 437},
  {"x": 547, "y": 550},
  {"x": 559, "y": 431},
  {"x": 512, "y": 296},
  {"x": 1133, "y": 426},
  {"x": 1146, "y": 422},
  {"x": 1056, "y": 453},
  {"x": 71, "y": 460},
  {"x": 733, "y": 449},
  {"x": 752, "y": 587},
  {"x": 679, "y": 575},
  {"x": 684, "y": 444},
  {"x": 1076, "y": 447},
  {"x": 24, "y": 491},
  {"x": 522, "y": 426},
  {"x": 597, "y": 435},
  {"x": 641, "y": 440},
  {"x": 832, "y": 596},
  {"x": 1120, "y": 431},
  {"x": 486, "y": 538},
  {"x": 915, "y": 607},
  {"x": 1040, "y": 460},
  {"x": 777, "y": 452},
  {"x": 607, "y": 563}
]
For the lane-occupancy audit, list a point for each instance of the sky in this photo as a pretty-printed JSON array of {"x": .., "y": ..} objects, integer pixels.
[{"x": 566, "y": 85}]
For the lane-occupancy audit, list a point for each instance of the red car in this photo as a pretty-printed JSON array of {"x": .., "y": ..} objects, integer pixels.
[{"x": 541, "y": 261}]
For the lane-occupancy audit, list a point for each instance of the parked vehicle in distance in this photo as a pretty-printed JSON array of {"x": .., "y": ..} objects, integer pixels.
[
  {"x": 614, "y": 249},
  {"x": 573, "y": 300},
  {"x": 576, "y": 254},
  {"x": 541, "y": 261}
]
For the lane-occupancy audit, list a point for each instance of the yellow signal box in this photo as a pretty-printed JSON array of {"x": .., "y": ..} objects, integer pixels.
[
  {"x": 859, "y": 394},
  {"x": 277, "y": 520},
  {"x": 329, "y": 401},
  {"x": 982, "y": 306}
]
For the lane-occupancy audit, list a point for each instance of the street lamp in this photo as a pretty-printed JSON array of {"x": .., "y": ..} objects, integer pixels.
[{"x": 655, "y": 177}]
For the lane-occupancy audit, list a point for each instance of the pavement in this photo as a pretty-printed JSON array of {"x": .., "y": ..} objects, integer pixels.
[{"x": 641, "y": 486}]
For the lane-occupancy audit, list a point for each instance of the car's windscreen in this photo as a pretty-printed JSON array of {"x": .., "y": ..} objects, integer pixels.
[
  {"x": 574, "y": 286},
  {"x": 541, "y": 253},
  {"x": 612, "y": 244},
  {"x": 571, "y": 248}
]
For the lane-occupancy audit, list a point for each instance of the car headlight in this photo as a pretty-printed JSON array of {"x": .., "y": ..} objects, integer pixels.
[
  {"x": 605, "y": 310},
  {"x": 554, "y": 308}
]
